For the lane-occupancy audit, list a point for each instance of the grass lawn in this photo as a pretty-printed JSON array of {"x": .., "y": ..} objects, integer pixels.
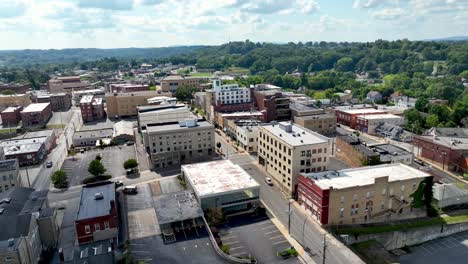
[
  {"x": 7, "y": 131},
  {"x": 445, "y": 219},
  {"x": 201, "y": 74},
  {"x": 238, "y": 70}
]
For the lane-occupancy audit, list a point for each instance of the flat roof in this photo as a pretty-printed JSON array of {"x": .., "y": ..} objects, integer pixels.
[
  {"x": 361, "y": 111},
  {"x": 390, "y": 150},
  {"x": 362, "y": 176},
  {"x": 35, "y": 107},
  {"x": 451, "y": 142},
  {"x": 86, "y": 99},
  {"x": 90, "y": 207},
  {"x": 242, "y": 114},
  {"x": 176, "y": 206},
  {"x": 380, "y": 116},
  {"x": 317, "y": 116},
  {"x": 217, "y": 177},
  {"x": 11, "y": 109},
  {"x": 136, "y": 93},
  {"x": 19, "y": 146},
  {"x": 298, "y": 135},
  {"x": 99, "y": 133},
  {"x": 169, "y": 126},
  {"x": 8, "y": 165}
]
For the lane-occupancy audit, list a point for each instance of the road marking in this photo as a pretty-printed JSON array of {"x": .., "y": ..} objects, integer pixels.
[
  {"x": 279, "y": 242},
  {"x": 229, "y": 237},
  {"x": 271, "y": 238},
  {"x": 229, "y": 243},
  {"x": 238, "y": 254},
  {"x": 274, "y": 231},
  {"x": 426, "y": 250},
  {"x": 268, "y": 227},
  {"x": 140, "y": 251},
  {"x": 264, "y": 223},
  {"x": 234, "y": 248}
]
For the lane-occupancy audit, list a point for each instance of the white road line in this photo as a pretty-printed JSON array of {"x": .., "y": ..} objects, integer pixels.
[
  {"x": 140, "y": 251},
  {"x": 269, "y": 227},
  {"x": 274, "y": 231},
  {"x": 426, "y": 252},
  {"x": 234, "y": 248},
  {"x": 279, "y": 242},
  {"x": 230, "y": 243},
  {"x": 238, "y": 254},
  {"x": 271, "y": 238},
  {"x": 229, "y": 237}
]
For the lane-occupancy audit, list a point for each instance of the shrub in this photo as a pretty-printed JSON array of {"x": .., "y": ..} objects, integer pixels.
[
  {"x": 96, "y": 168},
  {"x": 59, "y": 179},
  {"x": 225, "y": 249},
  {"x": 130, "y": 164}
]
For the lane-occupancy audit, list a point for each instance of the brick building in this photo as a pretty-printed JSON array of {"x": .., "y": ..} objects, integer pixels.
[
  {"x": 125, "y": 104},
  {"x": 27, "y": 151},
  {"x": 67, "y": 84},
  {"x": 91, "y": 108},
  {"x": 36, "y": 114},
  {"x": 7, "y": 100},
  {"x": 58, "y": 101},
  {"x": 172, "y": 82},
  {"x": 349, "y": 117},
  {"x": 362, "y": 195},
  {"x": 127, "y": 87},
  {"x": 97, "y": 217},
  {"x": 275, "y": 104},
  {"x": 11, "y": 116},
  {"x": 368, "y": 123}
]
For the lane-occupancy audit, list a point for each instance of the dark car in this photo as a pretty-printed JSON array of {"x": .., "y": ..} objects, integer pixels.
[
  {"x": 49, "y": 164},
  {"x": 119, "y": 184},
  {"x": 130, "y": 189},
  {"x": 130, "y": 143}
]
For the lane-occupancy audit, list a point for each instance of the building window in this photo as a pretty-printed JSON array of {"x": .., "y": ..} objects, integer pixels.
[
  {"x": 414, "y": 186},
  {"x": 302, "y": 162},
  {"x": 342, "y": 199},
  {"x": 341, "y": 212},
  {"x": 106, "y": 225},
  {"x": 97, "y": 227},
  {"x": 384, "y": 191},
  {"x": 354, "y": 197},
  {"x": 402, "y": 188},
  {"x": 87, "y": 229}
]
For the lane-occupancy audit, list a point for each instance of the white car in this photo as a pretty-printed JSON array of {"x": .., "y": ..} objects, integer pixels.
[{"x": 269, "y": 181}]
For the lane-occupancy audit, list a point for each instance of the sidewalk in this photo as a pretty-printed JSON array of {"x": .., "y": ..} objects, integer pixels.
[{"x": 436, "y": 165}]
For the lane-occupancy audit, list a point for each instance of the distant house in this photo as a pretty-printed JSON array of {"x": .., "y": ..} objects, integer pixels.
[
  {"x": 406, "y": 102},
  {"x": 374, "y": 96}
]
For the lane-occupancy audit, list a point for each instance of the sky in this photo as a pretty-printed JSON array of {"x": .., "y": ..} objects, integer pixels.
[{"x": 58, "y": 24}]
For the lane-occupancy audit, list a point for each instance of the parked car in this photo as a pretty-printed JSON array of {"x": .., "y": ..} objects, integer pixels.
[
  {"x": 49, "y": 164},
  {"x": 130, "y": 143},
  {"x": 119, "y": 184},
  {"x": 269, "y": 181},
  {"x": 131, "y": 189},
  {"x": 82, "y": 150},
  {"x": 131, "y": 171}
]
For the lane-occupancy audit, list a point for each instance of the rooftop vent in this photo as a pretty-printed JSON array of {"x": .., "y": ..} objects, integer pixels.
[
  {"x": 11, "y": 242},
  {"x": 98, "y": 196},
  {"x": 2, "y": 210}
]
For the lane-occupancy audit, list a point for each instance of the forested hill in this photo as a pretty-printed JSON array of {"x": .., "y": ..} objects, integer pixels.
[{"x": 18, "y": 58}]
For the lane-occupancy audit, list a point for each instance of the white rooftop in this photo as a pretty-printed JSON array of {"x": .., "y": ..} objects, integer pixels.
[
  {"x": 35, "y": 107},
  {"x": 242, "y": 114},
  {"x": 298, "y": 135},
  {"x": 86, "y": 99},
  {"x": 362, "y": 111},
  {"x": 349, "y": 178},
  {"x": 380, "y": 116},
  {"x": 217, "y": 177}
]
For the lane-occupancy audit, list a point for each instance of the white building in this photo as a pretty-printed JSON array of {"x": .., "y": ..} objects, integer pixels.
[
  {"x": 157, "y": 114},
  {"x": 9, "y": 171},
  {"x": 368, "y": 123},
  {"x": 230, "y": 93},
  {"x": 247, "y": 136}
]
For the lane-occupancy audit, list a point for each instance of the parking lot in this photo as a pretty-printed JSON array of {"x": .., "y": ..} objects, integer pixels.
[
  {"x": 257, "y": 237},
  {"x": 112, "y": 159},
  {"x": 452, "y": 249}
]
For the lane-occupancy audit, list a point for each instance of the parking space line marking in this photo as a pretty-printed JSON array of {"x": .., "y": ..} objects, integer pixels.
[
  {"x": 271, "y": 238},
  {"x": 238, "y": 254},
  {"x": 279, "y": 242},
  {"x": 140, "y": 251},
  {"x": 229, "y": 243},
  {"x": 274, "y": 231},
  {"x": 425, "y": 250},
  {"x": 269, "y": 227},
  {"x": 234, "y": 248},
  {"x": 266, "y": 222},
  {"x": 229, "y": 237}
]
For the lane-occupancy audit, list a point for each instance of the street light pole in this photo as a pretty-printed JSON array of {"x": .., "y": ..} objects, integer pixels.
[
  {"x": 27, "y": 176},
  {"x": 324, "y": 247}
]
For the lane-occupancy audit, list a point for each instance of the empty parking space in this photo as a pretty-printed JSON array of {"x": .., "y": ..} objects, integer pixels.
[{"x": 452, "y": 249}]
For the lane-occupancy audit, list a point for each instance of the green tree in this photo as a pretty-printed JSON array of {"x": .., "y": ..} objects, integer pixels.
[
  {"x": 185, "y": 93},
  {"x": 344, "y": 64},
  {"x": 96, "y": 168},
  {"x": 432, "y": 120},
  {"x": 130, "y": 164},
  {"x": 59, "y": 179},
  {"x": 421, "y": 104}
]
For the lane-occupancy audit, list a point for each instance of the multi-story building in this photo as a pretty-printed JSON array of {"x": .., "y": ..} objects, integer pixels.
[
  {"x": 222, "y": 119},
  {"x": 58, "y": 101},
  {"x": 97, "y": 218},
  {"x": 36, "y": 114},
  {"x": 222, "y": 184},
  {"x": 28, "y": 151},
  {"x": 89, "y": 138},
  {"x": 127, "y": 87},
  {"x": 362, "y": 195},
  {"x": 9, "y": 171},
  {"x": 95, "y": 92},
  {"x": 274, "y": 103},
  {"x": 18, "y": 88},
  {"x": 25, "y": 229},
  {"x": 368, "y": 123},
  {"x": 68, "y": 84},
  {"x": 449, "y": 147},
  {"x": 349, "y": 116},
  {"x": 199, "y": 99},
  {"x": 156, "y": 114},
  {"x": 299, "y": 108},
  {"x": 247, "y": 135},
  {"x": 231, "y": 97},
  {"x": 172, "y": 82},
  {"x": 92, "y": 108},
  {"x": 324, "y": 124},
  {"x": 285, "y": 150},
  {"x": 11, "y": 116},
  {"x": 174, "y": 143},
  {"x": 7, "y": 100},
  {"x": 125, "y": 104}
]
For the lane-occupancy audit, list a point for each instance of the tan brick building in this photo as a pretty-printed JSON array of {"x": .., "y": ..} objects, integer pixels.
[
  {"x": 286, "y": 149},
  {"x": 125, "y": 104},
  {"x": 11, "y": 116},
  {"x": 14, "y": 100},
  {"x": 362, "y": 195},
  {"x": 323, "y": 123},
  {"x": 36, "y": 114},
  {"x": 171, "y": 83},
  {"x": 68, "y": 84}
]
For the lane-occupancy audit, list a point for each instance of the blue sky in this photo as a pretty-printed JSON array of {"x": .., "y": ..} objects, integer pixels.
[{"x": 44, "y": 24}]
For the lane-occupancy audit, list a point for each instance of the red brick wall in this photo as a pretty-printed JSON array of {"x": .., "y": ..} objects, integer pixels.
[
  {"x": 433, "y": 151},
  {"x": 318, "y": 197},
  {"x": 112, "y": 218}
]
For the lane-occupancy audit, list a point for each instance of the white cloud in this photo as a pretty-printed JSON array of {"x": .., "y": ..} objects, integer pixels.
[
  {"x": 107, "y": 4},
  {"x": 388, "y": 14},
  {"x": 11, "y": 8}
]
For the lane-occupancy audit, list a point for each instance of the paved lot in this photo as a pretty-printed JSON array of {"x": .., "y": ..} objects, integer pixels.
[
  {"x": 101, "y": 124},
  {"x": 255, "y": 236},
  {"x": 452, "y": 249},
  {"x": 67, "y": 236},
  {"x": 60, "y": 118},
  {"x": 112, "y": 159}
]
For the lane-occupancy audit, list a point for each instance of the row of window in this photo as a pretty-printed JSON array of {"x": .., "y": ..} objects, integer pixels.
[
  {"x": 97, "y": 227},
  {"x": 177, "y": 148},
  {"x": 9, "y": 177},
  {"x": 6, "y": 187}
]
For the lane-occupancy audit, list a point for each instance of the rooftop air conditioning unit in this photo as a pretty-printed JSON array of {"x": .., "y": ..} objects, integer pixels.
[{"x": 98, "y": 196}]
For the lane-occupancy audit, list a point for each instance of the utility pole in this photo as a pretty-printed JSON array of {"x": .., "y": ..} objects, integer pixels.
[
  {"x": 27, "y": 175},
  {"x": 324, "y": 247}
]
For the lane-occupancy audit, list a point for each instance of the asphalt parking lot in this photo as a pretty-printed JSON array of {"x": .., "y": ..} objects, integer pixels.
[
  {"x": 452, "y": 249},
  {"x": 112, "y": 159},
  {"x": 255, "y": 236}
]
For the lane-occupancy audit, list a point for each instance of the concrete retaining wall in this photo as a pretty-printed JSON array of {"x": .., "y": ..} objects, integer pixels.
[{"x": 399, "y": 239}]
